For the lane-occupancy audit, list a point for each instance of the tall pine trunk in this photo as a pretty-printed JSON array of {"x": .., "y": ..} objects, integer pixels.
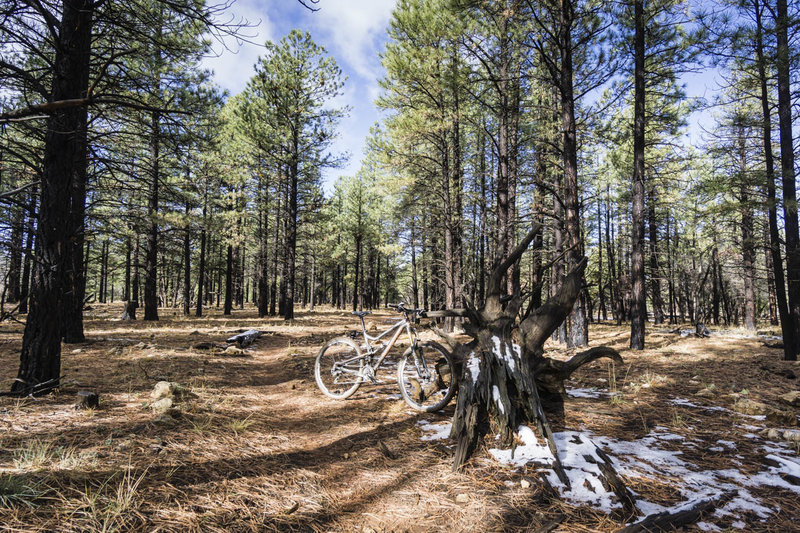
[
  {"x": 791, "y": 342},
  {"x": 151, "y": 258},
  {"x": 638, "y": 295},
  {"x": 578, "y": 326},
  {"x": 64, "y": 160}
]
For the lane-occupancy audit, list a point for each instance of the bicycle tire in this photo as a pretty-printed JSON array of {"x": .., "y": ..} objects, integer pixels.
[
  {"x": 417, "y": 388},
  {"x": 339, "y": 357}
]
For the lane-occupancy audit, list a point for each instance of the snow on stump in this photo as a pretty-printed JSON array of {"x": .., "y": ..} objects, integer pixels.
[{"x": 506, "y": 381}]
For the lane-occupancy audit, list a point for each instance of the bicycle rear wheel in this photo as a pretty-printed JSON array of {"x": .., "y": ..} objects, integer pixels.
[
  {"x": 427, "y": 377},
  {"x": 337, "y": 368}
]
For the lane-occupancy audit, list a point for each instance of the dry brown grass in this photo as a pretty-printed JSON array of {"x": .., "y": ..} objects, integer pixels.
[{"x": 261, "y": 449}]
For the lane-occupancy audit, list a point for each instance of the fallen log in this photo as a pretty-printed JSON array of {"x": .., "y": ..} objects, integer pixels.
[
  {"x": 685, "y": 514},
  {"x": 246, "y": 338}
]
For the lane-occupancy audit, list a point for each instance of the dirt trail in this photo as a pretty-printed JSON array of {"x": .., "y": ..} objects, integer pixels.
[{"x": 259, "y": 448}]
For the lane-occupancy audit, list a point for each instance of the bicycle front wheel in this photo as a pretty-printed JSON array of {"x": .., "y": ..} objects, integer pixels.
[
  {"x": 337, "y": 368},
  {"x": 427, "y": 377}
]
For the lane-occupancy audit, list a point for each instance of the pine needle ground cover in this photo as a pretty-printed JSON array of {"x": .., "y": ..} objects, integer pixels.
[{"x": 252, "y": 445}]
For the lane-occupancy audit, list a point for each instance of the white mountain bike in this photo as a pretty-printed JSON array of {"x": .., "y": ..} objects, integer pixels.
[{"x": 426, "y": 372}]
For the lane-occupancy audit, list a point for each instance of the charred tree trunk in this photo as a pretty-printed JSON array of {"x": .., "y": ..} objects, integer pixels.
[{"x": 40, "y": 358}]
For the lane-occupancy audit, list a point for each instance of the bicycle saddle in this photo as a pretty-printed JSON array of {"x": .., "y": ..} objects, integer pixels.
[{"x": 361, "y": 313}]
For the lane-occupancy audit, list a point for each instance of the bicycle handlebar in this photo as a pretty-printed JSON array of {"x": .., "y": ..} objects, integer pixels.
[{"x": 401, "y": 309}]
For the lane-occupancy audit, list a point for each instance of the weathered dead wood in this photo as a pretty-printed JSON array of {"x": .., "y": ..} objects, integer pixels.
[
  {"x": 685, "y": 514},
  {"x": 611, "y": 481},
  {"x": 542, "y": 322},
  {"x": 500, "y": 381},
  {"x": 130, "y": 310},
  {"x": 246, "y": 338},
  {"x": 552, "y": 373},
  {"x": 87, "y": 400}
]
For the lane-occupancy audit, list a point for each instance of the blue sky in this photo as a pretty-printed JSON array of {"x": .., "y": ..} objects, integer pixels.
[{"x": 352, "y": 31}]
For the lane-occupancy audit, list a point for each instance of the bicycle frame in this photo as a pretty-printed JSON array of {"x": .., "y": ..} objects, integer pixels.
[{"x": 397, "y": 328}]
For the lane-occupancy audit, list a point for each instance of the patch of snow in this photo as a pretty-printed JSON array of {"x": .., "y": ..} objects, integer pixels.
[
  {"x": 497, "y": 399},
  {"x": 474, "y": 365},
  {"x": 682, "y": 402},
  {"x": 787, "y": 465},
  {"x": 502, "y": 353},
  {"x": 705, "y": 526},
  {"x": 750, "y": 428},
  {"x": 645, "y": 458},
  {"x": 739, "y": 524},
  {"x": 529, "y": 452},
  {"x": 435, "y": 430},
  {"x": 584, "y": 393}
]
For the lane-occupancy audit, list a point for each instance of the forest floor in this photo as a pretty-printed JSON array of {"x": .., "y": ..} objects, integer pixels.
[{"x": 257, "y": 447}]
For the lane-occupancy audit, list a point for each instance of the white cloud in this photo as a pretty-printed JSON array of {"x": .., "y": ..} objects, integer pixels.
[
  {"x": 356, "y": 30},
  {"x": 234, "y": 61}
]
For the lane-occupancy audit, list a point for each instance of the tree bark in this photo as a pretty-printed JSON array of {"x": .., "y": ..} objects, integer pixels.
[
  {"x": 151, "y": 259},
  {"x": 228, "y": 305},
  {"x": 187, "y": 266},
  {"x": 27, "y": 257},
  {"x": 577, "y": 334},
  {"x": 40, "y": 358},
  {"x": 655, "y": 282},
  {"x": 792, "y": 342},
  {"x": 638, "y": 295},
  {"x": 15, "y": 256}
]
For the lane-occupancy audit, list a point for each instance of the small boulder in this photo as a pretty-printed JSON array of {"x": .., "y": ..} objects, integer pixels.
[
  {"x": 789, "y": 435},
  {"x": 750, "y": 407},
  {"x": 162, "y": 406},
  {"x": 462, "y": 498},
  {"x": 708, "y": 392},
  {"x": 233, "y": 350},
  {"x": 791, "y": 398},
  {"x": 776, "y": 416},
  {"x": 170, "y": 389}
]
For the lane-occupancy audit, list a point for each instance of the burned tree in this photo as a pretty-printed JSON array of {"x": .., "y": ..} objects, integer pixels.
[{"x": 506, "y": 382}]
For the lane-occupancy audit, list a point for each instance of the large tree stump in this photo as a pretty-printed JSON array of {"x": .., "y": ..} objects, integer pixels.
[{"x": 506, "y": 381}]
